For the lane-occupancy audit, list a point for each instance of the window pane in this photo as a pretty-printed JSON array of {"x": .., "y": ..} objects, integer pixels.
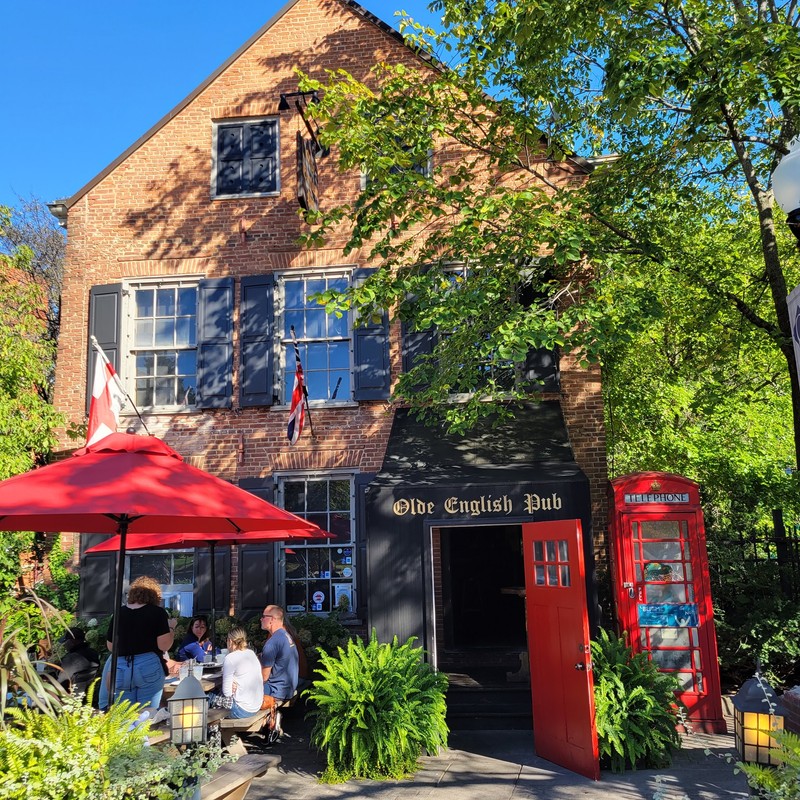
[
  {"x": 165, "y": 392},
  {"x": 144, "y": 302},
  {"x": 154, "y": 566},
  {"x": 321, "y": 520},
  {"x": 317, "y": 497},
  {"x": 340, "y": 526},
  {"x": 166, "y": 364},
  {"x": 294, "y": 496},
  {"x": 339, "y": 354},
  {"x": 552, "y": 576},
  {"x": 316, "y": 357},
  {"x": 319, "y": 563},
  {"x": 143, "y": 333},
  {"x": 296, "y": 564},
  {"x": 666, "y": 593},
  {"x": 187, "y": 362},
  {"x": 295, "y": 318},
  {"x": 340, "y": 495},
  {"x": 315, "y": 286},
  {"x": 165, "y": 303},
  {"x": 165, "y": 332},
  {"x": 317, "y": 383},
  {"x": 337, "y": 326},
  {"x": 565, "y": 580},
  {"x": 185, "y": 329},
  {"x": 550, "y": 548},
  {"x": 187, "y": 301},
  {"x": 315, "y": 323},
  {"x": 539, "y": 573},
  {"x": 661, "y": 551},
  {"x": 294, "y": 294},
  {"x": 340, "y": 383},
  {"x": 296, "y": 596},
  {"x": 538, "y": 551},
  {"x": 145, "y": 363},
  {"x": 186, "y": 392},
  {"x": 563, "y": 550},
  {"x": 144, "y": 393},
  {"x": 183, "y": 568}
]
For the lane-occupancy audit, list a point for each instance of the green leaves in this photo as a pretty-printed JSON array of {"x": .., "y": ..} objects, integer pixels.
[
  {"x": 635, "y": 706},
  {"x": 378, "y": 706}
]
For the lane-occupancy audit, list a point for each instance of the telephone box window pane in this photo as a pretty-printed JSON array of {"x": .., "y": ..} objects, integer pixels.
[
  {"x": 638, "y": 573},
  {"x": 539, "y": 573},
  {"x": 686, "y": 682},
  {"x": 565, "y": 581},
  {"x": 688, "y": 568},
  {"x": 538, "y": 551},
  {"x": 696, "y": 659},
  {"x": 563, "y": 550},
  {"x": 670, "y": 637},
  {"x": 699, "y": 679},
  {"x": 661, "y": 529},
  {"x": 551, "y": 550},
  {"x": 637, "y": 551},
  {"x": 552, "y": 575},
  {"x": 661, "y": 551},
  {"x": 693, "y": 634},
  {"x": 672, "y": 659},
  {"x": 666, "y": 593}
]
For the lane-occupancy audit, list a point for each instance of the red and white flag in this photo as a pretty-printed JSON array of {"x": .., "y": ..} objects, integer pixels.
[
  {"x": 108, "y": 399},
  {"x": 297, "y": 409}
]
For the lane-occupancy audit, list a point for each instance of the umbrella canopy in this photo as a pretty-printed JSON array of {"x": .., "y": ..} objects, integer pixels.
[
  {"x": 126, "y": 483},
  {"x": 141, "y": 482}
]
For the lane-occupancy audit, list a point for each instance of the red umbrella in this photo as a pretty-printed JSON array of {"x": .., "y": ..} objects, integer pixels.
[
  {"x": 177, "y": 541},
  {"x": 126, "y": 483}
]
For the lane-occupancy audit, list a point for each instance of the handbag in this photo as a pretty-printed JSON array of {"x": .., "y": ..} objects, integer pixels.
[{"x": 220, "y": 701}]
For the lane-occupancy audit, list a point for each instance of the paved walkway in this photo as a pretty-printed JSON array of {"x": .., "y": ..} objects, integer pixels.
[{"x": 501, "y": 765}]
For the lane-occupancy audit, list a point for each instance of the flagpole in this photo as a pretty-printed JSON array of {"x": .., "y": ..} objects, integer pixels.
[
  {"x": 101, "y": 353},
  {"x": 305, "y": 388}
]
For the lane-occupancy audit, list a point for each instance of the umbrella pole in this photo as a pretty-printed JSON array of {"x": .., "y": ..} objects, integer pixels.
[
  {"x": 123, "y": 532},
  {"x": 213, "y": 595}
]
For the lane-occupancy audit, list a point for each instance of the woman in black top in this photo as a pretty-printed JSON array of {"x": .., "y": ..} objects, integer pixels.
[{"x": 145, "y": 632}]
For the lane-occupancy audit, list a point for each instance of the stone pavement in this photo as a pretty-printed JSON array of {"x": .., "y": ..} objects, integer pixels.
[{"x": 501, "y": 765}]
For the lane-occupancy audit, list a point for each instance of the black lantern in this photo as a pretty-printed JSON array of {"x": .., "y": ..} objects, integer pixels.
[
  {"x": 786, "y": 186},
  {"x": 188, "y": 710},
  {"x": 757, "y": 713}
]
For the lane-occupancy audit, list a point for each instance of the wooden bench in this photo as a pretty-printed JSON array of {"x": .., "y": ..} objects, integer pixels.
[
  {"x": 231, "y": 781},
  {"x": 230, "y": 727}
]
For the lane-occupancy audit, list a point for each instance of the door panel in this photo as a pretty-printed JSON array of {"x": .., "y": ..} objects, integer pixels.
[{"x": 558, "y": 636}]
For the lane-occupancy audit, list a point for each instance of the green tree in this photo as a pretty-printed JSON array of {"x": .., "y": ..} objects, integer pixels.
[
  {"x": 696, "y": 100},
  {"x": 27, "y": 355}
]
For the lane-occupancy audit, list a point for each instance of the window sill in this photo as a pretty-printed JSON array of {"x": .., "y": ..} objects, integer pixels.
[
  {"x": 322, "y": 405},
  {"x": 243, "y": 195}
]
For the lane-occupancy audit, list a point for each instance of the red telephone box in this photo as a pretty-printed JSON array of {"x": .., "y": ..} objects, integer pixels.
[{"x": 662, "y": 588}]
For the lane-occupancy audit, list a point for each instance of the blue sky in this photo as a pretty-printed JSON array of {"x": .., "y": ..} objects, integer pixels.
[{"x": 83, "y": 80}]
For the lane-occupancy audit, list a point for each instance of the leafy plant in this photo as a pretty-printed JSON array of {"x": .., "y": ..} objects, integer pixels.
[
  {"x": 62, "y": 590},
  {"x": 781, "y": 782},
  {"x": 320, "y": 633},
  {"x": 81, "y": 753},
  {"x": 377, "y": 707},
  {"x": 635, "y": 706}
]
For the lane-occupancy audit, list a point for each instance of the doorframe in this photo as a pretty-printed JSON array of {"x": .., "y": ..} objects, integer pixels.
[{"x": 428, "y": 577}]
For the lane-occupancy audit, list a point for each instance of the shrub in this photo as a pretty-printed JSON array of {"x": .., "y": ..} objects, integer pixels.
[
  {"x": 320, "y": 633},
  {"x": 377, "y": 707},
  {"x": 635, "y": 706},
  {"x": 79, "y": 752}
]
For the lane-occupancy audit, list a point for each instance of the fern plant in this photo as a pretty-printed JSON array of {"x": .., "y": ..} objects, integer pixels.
[
  {"x": 377, "y": 707},
  {"x": 635, "y": 706},
  {"x": 80, "y": 753},
  {"x": 781, "y": 782}
]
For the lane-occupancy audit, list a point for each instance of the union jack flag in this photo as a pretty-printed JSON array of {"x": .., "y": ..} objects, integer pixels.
[{"x": 297, "y": 409}]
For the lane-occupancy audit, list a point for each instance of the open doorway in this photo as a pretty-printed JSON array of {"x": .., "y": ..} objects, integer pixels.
[{"x": 481, "y": 609}]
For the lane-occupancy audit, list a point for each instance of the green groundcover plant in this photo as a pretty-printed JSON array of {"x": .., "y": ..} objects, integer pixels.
[
  {"x": 377, "y": 707},
  {"x": 781, "y": 782},
  {"x": 80, "y": 753},
  {"x": 635, "y": 706}
]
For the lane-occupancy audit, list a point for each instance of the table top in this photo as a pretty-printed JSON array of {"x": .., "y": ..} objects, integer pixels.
[{"x": 211, "y": 681}]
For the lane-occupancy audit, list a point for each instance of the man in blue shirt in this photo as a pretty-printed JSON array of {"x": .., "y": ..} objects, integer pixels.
[{"x": 279, "y": 658}]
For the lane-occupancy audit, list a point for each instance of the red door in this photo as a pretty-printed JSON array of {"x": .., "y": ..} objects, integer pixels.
[{"x": 558, "y": 643}]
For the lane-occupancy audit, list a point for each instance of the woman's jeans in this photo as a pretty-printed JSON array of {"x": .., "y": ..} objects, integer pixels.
[
  {"x": 140, "y": 679},
  {"x": 237, "y": 712}
]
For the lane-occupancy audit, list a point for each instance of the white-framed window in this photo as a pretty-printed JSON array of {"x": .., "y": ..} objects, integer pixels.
[
  {"x": 172, "y": 569},
  {"x": 317, "y": 573},
  {"x": 245, "y": 157},
  {"x": 160, "y": 360},
  {"x": 324, "y": 340}
]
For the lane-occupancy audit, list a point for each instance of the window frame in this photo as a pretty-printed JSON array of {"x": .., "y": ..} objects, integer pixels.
[
  {"x": 279, "y": 367},
  {"x": 281, "y": 478},
  {"x": 217, "y": 125},
  {"x": 127, "y": 366}
]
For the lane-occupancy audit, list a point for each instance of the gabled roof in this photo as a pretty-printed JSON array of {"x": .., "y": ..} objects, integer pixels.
[{"x": 60, "y": 208}]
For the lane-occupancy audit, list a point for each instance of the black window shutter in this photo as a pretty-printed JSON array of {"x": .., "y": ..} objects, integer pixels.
[
  {"x": 256, "y": 328},
  {"x": 97, "y": 579},
  {"x": 105, "y": 325},
  {"x": 542, "y": 370},
  {"x": 247, "y": 158},
  {"x": 371, "y": 354},
  {"x": 361, "y": 482},
  {"x": 215, "y": 343},
  {"x": 256, "y": 560},
  {"x": 202, "y": 580},
  {"x": 230, "y": 159}
]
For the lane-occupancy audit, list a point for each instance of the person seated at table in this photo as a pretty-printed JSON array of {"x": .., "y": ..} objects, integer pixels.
[
  {"x": 242, "y": 688},
  {"x": 196, "y": 643},
  {"x": 81, "y": 664}
]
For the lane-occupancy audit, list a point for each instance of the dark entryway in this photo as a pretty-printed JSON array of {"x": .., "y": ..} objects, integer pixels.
[{"x": 481, "y": 569}]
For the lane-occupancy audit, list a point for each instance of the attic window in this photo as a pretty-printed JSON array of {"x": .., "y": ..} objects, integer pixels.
[{"x": 245, "y": 158}]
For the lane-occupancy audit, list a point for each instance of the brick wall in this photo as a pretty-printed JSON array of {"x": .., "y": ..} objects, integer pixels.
[{"x": 151, "y": 213}]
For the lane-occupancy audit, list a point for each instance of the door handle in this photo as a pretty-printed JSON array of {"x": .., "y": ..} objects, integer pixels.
[{"x": 580, "y": 665}]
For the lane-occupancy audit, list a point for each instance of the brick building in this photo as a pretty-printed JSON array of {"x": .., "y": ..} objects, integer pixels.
[{"x": 182, "y": 261}]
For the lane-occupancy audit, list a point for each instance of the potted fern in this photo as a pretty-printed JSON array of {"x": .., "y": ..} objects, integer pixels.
[{"x": 378, "y": 706}]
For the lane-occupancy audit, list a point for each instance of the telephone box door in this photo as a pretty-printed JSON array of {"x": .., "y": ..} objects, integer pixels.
[{"x": 558, "y": 636}]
